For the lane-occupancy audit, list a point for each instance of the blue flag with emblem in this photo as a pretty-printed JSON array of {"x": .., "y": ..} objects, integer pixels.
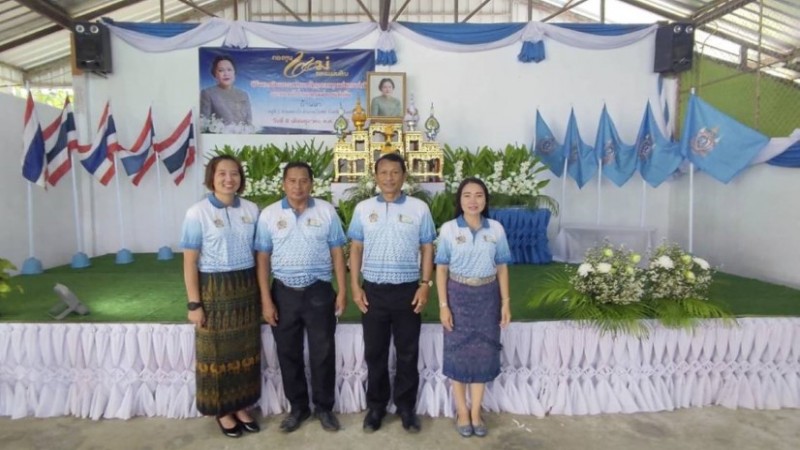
[
  {"x": 619, "y": 159},
  {"x": 658, "y": 157},
  {"x": 716, "y": 143},
  {"x": 582, "y": 164},
  {"x": 546, "y": 148}
]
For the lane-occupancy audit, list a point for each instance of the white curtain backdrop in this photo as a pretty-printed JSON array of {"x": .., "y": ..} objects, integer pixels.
[{"x": 125, "y": 370}]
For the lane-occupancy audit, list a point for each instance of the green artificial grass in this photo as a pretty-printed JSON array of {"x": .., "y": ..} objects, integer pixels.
[{"x": 148, "y": 290}]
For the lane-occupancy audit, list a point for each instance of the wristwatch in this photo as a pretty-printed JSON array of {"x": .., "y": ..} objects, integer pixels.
[
  {"x": 429, "y": 283},
  {"x": 194, "y": 306}
]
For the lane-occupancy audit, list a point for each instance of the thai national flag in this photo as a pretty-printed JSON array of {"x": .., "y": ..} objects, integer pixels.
[
  {"x": 99, "y": 158},
  {"x": 138, "y": 159},
  {"x": 177, "y": 151},
  {"x": 61, "y": 139},
  {"x": 34, "y": 168}
]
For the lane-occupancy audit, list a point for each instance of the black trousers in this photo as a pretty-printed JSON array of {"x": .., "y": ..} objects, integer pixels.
[
  {"x": 311, "y": 310},
  {"x": 390, "y": 314}
]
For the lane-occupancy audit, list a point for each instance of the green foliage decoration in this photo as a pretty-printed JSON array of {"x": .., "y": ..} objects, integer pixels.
[{"x": 6, "y": 286}]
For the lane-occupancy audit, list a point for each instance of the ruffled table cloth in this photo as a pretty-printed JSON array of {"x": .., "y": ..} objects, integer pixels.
[
  {"x": 126, "y": 370},
  {"x": 526, "y": 230}
]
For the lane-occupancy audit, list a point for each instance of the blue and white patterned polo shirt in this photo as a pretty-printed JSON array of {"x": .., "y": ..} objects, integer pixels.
[
  {"x": 473, "y": 254},
  {"x": 392, "y": 233},
  {"x": 223, "y": 234},
  {"x": 300, "y": 245}
]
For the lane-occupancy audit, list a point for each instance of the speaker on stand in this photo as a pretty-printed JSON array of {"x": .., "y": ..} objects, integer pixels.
[
  {"x": 674, "y": 47},
  {"x": 92, "y": 47}
]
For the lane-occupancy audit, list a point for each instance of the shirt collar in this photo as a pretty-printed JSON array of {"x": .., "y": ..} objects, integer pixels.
[
  {"x": 462, "y": 223},
  {"x": 216, "y": 203},
  {"x": 285, "y": 203},
  {"x": 399, "y": 200}
]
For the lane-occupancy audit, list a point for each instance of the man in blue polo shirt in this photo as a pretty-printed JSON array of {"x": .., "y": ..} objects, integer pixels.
[
  {"x": 389, "y": 233},
  {"x": 298, "y": 240}
]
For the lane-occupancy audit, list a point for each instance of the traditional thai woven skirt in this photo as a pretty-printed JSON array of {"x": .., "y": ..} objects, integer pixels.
[
  {"x": 228, "y": 348},
  {"x": 472, "y": 349}
]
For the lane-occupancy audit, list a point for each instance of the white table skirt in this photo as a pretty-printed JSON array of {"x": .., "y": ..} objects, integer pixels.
[
  {"x": 126, "y": 370},
  {"x": 573, "y": 240}
]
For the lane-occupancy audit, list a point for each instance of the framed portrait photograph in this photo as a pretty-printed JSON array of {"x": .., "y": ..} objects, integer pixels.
[{"x": 386, "y": 92}]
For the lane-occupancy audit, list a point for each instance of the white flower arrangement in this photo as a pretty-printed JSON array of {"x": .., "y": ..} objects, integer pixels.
[
  {"x": 511, "y": 175},
  {"x": 676, "y": 275},
  {"x": 610, "y": 276}
]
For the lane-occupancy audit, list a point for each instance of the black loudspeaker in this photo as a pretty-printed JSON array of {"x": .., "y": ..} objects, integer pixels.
[
  {"x": 674, "y": 47},
  {"x": 92, "y": 47}
]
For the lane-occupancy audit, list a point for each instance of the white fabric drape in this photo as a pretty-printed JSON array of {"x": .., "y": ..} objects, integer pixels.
[
  {"x": 126, "y": 370},
  {"x": 328, "y": 37},
  {"x": 195, "y": 37},
  {"x": 533, "y": 32}
]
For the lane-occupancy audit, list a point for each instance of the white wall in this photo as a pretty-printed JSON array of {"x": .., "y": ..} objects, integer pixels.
[
  {"x": 486, "y": 98},
  {"x": 748, "y": 227},
  {"x": 53, "y": 220}
]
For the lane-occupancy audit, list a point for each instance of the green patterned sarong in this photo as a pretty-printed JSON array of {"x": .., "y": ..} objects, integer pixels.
[{"x": 228, "y": 348}]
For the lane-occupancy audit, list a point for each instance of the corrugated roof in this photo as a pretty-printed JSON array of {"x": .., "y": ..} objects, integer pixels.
[{"x": 35, "y": 46}]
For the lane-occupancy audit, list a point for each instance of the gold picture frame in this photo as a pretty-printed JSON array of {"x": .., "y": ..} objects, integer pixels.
[{"x": 383, "y": 106}]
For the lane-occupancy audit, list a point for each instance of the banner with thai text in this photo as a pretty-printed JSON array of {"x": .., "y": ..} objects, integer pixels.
[{"x": 279, "y": 91}]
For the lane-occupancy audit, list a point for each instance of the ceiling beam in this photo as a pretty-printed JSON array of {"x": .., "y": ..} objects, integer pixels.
[
  {"x": 475, "y": 11},
  {"x": 193, "y": 5},
  {"x": 53, "y": 12},
  {"x": 383, "y": 14},
  {"x": 400, "y": 11},
  {"x": 366, "y": 10},
  {"x": 289, "y": 10},
  {"x": 716, "y": 10},
  {"x": 53, "y": 28},
  {"x": 569, "y": 5}
]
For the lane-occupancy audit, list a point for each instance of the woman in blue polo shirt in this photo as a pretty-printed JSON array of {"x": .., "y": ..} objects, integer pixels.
[
  {"x": 222, "y": 290},
  {"x": 472, "y": 279}
]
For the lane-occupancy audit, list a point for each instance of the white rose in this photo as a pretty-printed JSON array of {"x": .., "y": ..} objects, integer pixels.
[
  {"x": 702, "y": 263},
  {"x": 604, "y": 267},
  {"x": 585, "y": 269},
  {"x": 665, "y": 262}
]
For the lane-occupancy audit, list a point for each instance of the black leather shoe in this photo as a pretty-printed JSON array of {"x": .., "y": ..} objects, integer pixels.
[
  {"x": 373, "y": 419},
  {"x": 294, "y": 419},
  {"x": 328, "y": 420},
  {"x": 250, "y": 427},
  {"x": 410, "y": 421},
  {"x": 233, "y": 432}
]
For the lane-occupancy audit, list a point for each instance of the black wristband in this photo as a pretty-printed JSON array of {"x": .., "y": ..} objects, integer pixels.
[{"x": 192, "y": 306}]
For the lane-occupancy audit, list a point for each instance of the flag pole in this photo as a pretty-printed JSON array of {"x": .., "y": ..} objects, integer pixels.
[
  {"x": 79, "y": 259},
  {"x": 643, "y": 204},
  {"x": 563, "y": 192},
  {"x": 124, "y": 256},
  {"x": 32, "y": 265},
  {"x": 599, "y": 190},
  {"x": 165, "y": 252},
  {"x": 691, "y": 197}
]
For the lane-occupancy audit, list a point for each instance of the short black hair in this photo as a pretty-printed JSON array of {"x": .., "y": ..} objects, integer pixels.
[
  {"x": 298, "y": 164},
  {"x": 479, "y": 182},
  {"x": 395, "y": 157},
  {"x": 386, "y": 80},
  {"x": 218, "y": 60},
  {"x": 211, "y": 167}
]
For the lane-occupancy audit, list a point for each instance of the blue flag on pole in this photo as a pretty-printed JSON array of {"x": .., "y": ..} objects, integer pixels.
[
  {"x": 658, "y": 157},
  {"x": 546, "y": 148},
  {"x": 716, "y": 143},
  {"x": 619, "y": 159},
  {"x": 582, "y": 164}
]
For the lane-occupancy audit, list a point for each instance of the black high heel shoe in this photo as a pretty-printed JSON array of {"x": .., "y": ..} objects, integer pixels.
[
  {"x": 250, "y": 427},
  {"x": 233, "y": 432}
]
